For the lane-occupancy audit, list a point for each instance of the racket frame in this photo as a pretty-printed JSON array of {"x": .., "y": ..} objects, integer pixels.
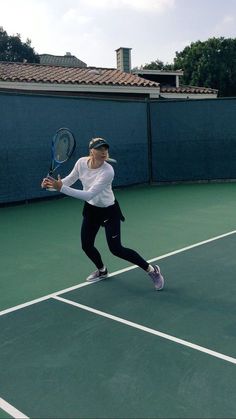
[{"x": 53, "y": 156}]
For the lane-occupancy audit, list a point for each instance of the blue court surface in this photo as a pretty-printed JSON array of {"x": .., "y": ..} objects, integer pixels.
[{"x": 119, "y": 349}]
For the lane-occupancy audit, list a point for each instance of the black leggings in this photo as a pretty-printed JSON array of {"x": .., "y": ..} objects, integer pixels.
[{"x": 89, "y": 231}]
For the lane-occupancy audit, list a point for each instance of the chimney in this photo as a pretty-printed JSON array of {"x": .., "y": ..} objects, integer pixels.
[{"x": 123, "y": 59}]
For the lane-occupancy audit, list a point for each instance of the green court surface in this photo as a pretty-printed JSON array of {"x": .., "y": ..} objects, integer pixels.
[
  {"x": 118, "y": 349},
  {"x": 4, "y": 415}
]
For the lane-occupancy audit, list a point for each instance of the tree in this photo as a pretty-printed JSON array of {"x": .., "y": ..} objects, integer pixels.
[
  {"x": 156, "y": 65},
  {"x": 13, "y": 49},
  {"x": 210, "y": 64}
]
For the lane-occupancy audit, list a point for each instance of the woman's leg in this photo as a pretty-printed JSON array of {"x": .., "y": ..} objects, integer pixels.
[
  {"x": 88, "y": 234},
  {"x": 113, "y": 235}
]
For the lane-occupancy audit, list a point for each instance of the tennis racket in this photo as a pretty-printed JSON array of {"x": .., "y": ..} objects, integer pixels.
[{"x": 63, "y": 146}]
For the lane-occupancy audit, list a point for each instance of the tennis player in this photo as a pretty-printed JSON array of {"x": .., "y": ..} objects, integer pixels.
[{"x": 100, "y": 209}]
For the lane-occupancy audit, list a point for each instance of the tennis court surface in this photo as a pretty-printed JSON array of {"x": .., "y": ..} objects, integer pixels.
[{"x": 118, "y": 349}]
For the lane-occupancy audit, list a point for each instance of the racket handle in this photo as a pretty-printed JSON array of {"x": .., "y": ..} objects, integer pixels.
[{"x": 52, "y": 178}]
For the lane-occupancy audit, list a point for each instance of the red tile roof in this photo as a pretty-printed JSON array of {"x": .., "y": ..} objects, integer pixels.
[
  {"x": 188, "y": 89},
  {"x": 26, "y": 72}
]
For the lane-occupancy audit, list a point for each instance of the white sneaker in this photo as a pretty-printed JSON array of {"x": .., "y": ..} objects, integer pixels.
[
  {"x": 157, "y": 278},
  {"x": 97, "y": 276}
]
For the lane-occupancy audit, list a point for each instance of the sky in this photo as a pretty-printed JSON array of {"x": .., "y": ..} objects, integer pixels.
[{"x": 92, "y": 30}]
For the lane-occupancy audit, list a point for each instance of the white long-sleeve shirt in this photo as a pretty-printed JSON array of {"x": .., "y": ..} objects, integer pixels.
[{"x": 97, "y": 183}]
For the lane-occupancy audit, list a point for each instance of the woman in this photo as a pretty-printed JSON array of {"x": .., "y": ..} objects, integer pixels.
[{"x": 100, "y": 209}]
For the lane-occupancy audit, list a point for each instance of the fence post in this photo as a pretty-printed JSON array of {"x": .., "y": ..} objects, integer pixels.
[{"x": 149, "y": 141}]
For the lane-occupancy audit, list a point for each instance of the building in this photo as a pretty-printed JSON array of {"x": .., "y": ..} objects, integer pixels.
[
  {"x": 86, "y": 81},
  {"x": 68, "y": 75},
  {"x": 67, "y": 60},
  {"x": 169, "y": 81}
]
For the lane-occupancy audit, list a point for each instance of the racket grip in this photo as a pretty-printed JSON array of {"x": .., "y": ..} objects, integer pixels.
[
  {"x": 51, "y": 189},
  {"x": 50, "y": 177}
]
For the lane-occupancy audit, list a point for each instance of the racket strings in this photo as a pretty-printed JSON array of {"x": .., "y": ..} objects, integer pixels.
[{"x": 64, "y": 144}]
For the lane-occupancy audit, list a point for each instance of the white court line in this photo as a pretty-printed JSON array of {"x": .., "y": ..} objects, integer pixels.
[
  {"x": 149, "y": 330},
  {"x": 39, "y": 300},
  {"x": 15, "y": 413},
  {"x": 52, "y": 295},
  {"x": 18, "y": 415}
]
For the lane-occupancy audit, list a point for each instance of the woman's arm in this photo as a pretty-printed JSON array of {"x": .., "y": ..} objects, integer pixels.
[
  {"x": 94, "y": 190},
  {"x": 57, "y": 184},
  {"x": 72, "y": 177}
]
